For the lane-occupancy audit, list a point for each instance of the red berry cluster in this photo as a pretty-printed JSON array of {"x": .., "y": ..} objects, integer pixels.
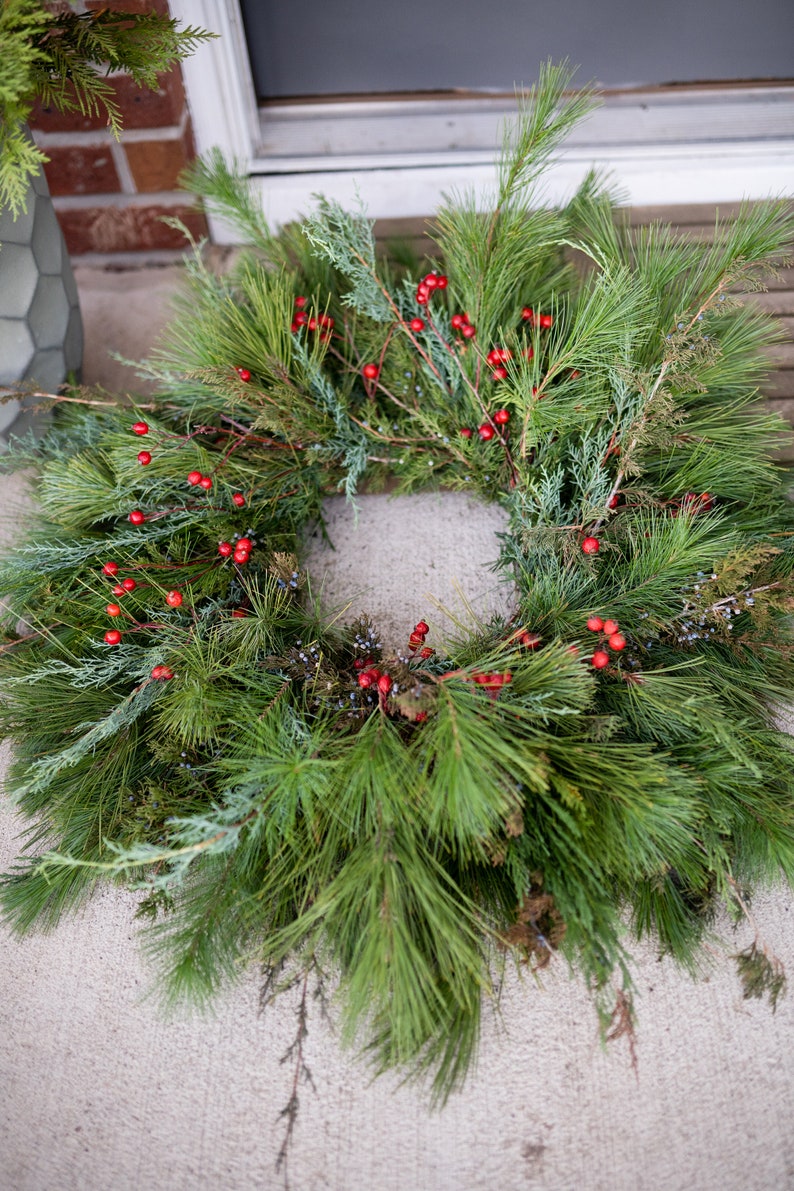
[
  {"x": 488, "y": 430},
  {"x": 321, "y": 322},
  {"x": 695, "y": 503},
  {"x": 374, "y": 678},
  {"x": 417, "y": 639},
  {"x": 111, "y": 570},
  {"x": 429, "y": 283},
  {"x": 611, "y": 636},
  {"x": 461, "y": 324},
  {"x": 196, "y": 479},
  {"x": 497, "y": 357},
  {"x": 240, "y": 552},
  {"x": 493, "y": 681},
  {"x": 144, "y": 457},
  {"x": 544, "y": 321}
]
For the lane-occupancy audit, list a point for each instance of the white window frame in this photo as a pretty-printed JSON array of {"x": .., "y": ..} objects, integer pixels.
[{"x": 662, "y": 147}]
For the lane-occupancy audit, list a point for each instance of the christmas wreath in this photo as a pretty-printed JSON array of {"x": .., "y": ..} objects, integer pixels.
[{"x": 606, "y": 759}]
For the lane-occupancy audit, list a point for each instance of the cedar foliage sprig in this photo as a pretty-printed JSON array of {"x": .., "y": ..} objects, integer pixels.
[{"x": 281, "y": 786}]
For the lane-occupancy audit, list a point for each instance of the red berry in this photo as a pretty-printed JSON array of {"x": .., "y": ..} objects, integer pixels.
[
  {"x": 422, "y": 627},
  {"x": 244, "y": 374},
  {"x": 613, "y": 501},
  {"x": 174, "y": 599},
  {"x": 442, "y": 281},
  {"x": 129, "y": 584},
  {"x": 417, "y": 324},
  {"x": 421, "y": 297},
  {"x": 238, "y": 499},
  {"x": 421, "y": 716},
  {"x": 300, "y": 319},
  {"x": 595, "y": 624},
  {"x": 163, "y": 672},
  {"x": 137, "y": 517},
  {"x": 457, "y": 321},
  {"x": 528, "y": 314},
  {"x": 575, "y": 374},
  {"x": 468, "y": 332},
  {"x": 430, "y": 281},
  {"x": 194, "y": 477},
  {"x": 113, "y": 636},
  {"x": 617, "y": 641},
  {"x": 384, "y": 684},
  {"x": 110, "y": 568},
  {"x": 144, "y": 457},
  {"x": 465, "y": 432},
  {"x": 529, "y": 352},
  {"x": 241, "y": 556},
  {"x": 365, "y": 680},
  {"x": 225, "y": 549},
  {"x": 239, "y": 613},
  {"x": 244, "y": 543},
  {"x": 486, "y": 431},
  {"x": 499, "y": 373},
  {"x": 118, "y": 590},
  {"x": 113, "y": 610},
  {"x": 416, "y": 639},
  {"x": 427, "y": 652},
  {"x": 300, "y": 300},
  {"x": 370, "y": 371},
  {"x": 610, "y": 626},
  {"x": 502, "y": 417},
  {"x": 600, "y": 659},
  {"x": 140, "y": 428},
  {"x": 530, "y": 640},
  {"x": 545, "y": 321},
  {"x": 591, "y": 545},
  {"x": 205, "y": 482},
  {"x": 312, "y": 324}
]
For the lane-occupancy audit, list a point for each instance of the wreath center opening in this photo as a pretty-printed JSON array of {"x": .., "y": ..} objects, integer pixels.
[{"x": 399, "y": 557}]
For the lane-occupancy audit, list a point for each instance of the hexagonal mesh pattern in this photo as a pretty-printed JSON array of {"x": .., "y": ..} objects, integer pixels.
[{"x": 41, "y": 333}]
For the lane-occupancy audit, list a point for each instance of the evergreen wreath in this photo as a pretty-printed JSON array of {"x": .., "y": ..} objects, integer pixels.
[{"x": 185, "y": 719}]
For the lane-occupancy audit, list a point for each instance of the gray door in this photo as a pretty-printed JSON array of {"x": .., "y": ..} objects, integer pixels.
[{"x": 342, "y": 47}]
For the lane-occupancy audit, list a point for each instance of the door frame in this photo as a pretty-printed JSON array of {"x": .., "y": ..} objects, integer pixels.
[{"x": 662, "y": 146}]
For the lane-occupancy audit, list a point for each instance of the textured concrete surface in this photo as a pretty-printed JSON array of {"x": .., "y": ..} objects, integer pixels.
[{"x": 100, "y": 1092}]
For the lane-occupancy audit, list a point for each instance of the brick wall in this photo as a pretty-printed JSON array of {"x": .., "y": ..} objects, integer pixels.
[{"x": 110, "y": 195}]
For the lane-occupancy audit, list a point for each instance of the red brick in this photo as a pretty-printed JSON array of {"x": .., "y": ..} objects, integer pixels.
[
  {"x": 140, "y": 107},
  {"x": 82, "y": 170},
  {"x": 157, "y": 164},
  {"x": 160, "y": 6},
  {"x": 127, "y": 229}
]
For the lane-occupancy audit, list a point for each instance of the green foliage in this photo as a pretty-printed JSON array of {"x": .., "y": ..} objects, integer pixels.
[
  {"x": 284, "y": 793},
  {"x": 63, "y": 58}
]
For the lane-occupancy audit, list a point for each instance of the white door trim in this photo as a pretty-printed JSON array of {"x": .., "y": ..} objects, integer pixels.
[{"x": 681, "y": 145}]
